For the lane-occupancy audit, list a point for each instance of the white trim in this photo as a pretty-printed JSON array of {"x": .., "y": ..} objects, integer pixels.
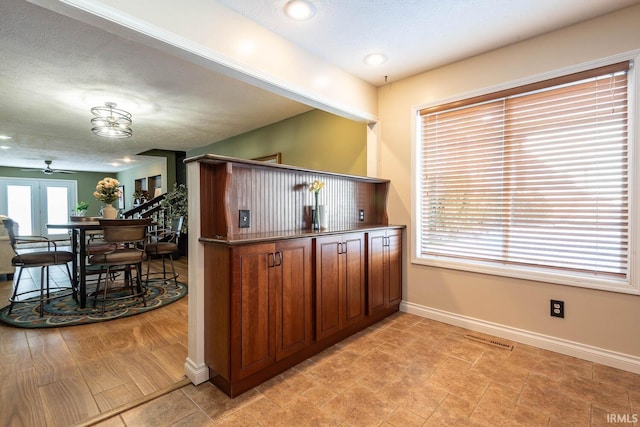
[
  {"x": 537, "y": 275},
  {"x": 195, "y": 366},
  {"x": 196, "y": 373},
  {"x": 603, "y": 356},
  {"x": 625, "y": 56},
  {"x": 629, "y": 286}
]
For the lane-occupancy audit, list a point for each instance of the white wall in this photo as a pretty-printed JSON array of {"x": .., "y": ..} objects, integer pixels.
[{"x": 602, "y": 326}]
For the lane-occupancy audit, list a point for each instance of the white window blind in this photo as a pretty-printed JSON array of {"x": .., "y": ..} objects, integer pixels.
[{"x": 535, "y": 176}]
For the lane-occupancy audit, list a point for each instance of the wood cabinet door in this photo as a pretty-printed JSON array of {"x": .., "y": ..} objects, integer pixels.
[
  {"x": 394, "y": 266},
  {"x": 378, "y": 283},
  {"x": 253, "y": 322},
  {"x": 292, "y": 276},
  {"x": 353, "y": 281},
  {"x": 340, "y": 282},
  {"x": 384, "y": 269},
  {"x": 328, "y": 288}
]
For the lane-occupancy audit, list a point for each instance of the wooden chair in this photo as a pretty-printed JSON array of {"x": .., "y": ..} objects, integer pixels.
[
  {"x": 127, "y": 239},
  {"x": 37, "y": 258},
  {"x": 164, "y": 243}
]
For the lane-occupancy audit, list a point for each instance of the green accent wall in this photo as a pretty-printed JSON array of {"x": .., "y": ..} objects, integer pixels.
[
  {"x": 314, "y": 140},
  {"x": 86, "y": 183}
]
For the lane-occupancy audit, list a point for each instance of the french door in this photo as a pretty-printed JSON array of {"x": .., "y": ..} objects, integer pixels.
[{"x": 34, "y": 203}]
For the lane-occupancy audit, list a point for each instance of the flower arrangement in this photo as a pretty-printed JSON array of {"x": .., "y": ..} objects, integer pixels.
[
  {"x": 107, "y": 190},
  {"x": 315, "y": 188}
]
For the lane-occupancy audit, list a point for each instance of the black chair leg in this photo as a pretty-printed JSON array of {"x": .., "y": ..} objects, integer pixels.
[
  {"x": 141, "y": 290},
  {"x": 42, "y": 273},
  {"x": 15, "y": 290},
  {"x": 74, "y": 289},
  {"x": 106, "y": 289},
  {"x": 173, "y": 272},
  {"x": 95, "y": 293}
]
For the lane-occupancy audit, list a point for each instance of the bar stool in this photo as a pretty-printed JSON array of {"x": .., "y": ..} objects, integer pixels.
[
  {"x": 127, "y": 239},
  {"x": 43, "y": 259},
  {"x": 164, "y": 244}
]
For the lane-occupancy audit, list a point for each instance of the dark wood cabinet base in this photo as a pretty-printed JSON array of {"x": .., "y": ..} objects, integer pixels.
[
  {"x": 236, "y": 388},
  {"x": 277, "y": 292}
]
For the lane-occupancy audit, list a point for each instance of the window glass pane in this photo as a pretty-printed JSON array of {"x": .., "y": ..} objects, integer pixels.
[
  {"x": 19, "y": 207},
  {"x": 57, "y": 206},
  {"x": 536, "y": 179}
]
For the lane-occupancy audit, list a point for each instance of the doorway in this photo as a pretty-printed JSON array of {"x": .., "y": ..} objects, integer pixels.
[{"x": 34, "y": 203}]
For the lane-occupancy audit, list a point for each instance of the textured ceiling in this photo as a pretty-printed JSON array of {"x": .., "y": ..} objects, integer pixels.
[{"x": 53, "y": 69}]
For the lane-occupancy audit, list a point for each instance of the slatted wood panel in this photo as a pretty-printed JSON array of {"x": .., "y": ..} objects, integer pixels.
[
  {"x": 279, "y": 199},
  {"x": 214, "y": 182}
]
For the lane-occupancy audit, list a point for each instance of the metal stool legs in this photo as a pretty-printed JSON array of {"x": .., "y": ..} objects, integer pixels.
[{"x": 173, "y": 276}]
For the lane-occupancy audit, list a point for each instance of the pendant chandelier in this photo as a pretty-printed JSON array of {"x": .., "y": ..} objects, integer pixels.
[{"x": 111, "y": 122}]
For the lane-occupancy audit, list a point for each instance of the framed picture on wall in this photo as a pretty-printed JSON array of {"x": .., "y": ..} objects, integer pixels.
[
  {"x": 121, "y": 197},
  {"x": 271, "y": 158}
]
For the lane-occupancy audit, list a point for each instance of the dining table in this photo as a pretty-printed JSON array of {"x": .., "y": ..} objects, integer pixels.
[{"x": 79, "y": 230}]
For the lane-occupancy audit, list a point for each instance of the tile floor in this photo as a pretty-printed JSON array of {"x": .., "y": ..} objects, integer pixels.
[{"x": 410, "y": 371}]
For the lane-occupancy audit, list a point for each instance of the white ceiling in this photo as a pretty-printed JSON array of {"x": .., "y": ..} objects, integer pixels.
[{"x": 53, "y": 69}]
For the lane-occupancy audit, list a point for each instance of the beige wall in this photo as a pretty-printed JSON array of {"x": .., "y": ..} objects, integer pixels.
[
  {"x": 314, "y": 140},
  {"x": 604, "y": 320}
]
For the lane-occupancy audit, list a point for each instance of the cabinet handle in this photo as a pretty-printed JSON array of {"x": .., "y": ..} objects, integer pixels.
[
  {"x": 339, "y": 248},
  {"x": 279, "y": 263},
  {"x": 344, "y": 251},
  {"x": 272, "y": 258}
]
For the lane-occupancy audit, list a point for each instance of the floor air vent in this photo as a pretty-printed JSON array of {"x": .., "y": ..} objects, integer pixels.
[{"x": 490, "y": 341}]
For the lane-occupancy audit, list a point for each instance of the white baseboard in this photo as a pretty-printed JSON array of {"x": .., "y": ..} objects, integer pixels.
[
  {"x": 197, "y": 374},
  {"x": 583, "y": 351}
]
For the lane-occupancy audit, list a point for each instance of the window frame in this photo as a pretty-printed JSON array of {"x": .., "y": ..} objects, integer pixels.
[{"x": 632, "y": 283}]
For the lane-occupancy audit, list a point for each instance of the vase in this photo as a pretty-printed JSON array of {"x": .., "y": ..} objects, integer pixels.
[
  {"x": 109, "y": 212},
  {"x": 315, "y": 223},
  {"x": 323, "y": 217}
]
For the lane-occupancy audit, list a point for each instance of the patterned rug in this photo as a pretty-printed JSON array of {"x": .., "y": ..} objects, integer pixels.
[{"x": 64, "y": 311}]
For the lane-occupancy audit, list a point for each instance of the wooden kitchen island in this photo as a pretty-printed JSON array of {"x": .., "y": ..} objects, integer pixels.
[{"x": 276, "y": 292}]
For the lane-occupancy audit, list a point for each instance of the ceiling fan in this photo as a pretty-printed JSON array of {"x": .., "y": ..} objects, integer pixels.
[{"x": 47, "y": 170}]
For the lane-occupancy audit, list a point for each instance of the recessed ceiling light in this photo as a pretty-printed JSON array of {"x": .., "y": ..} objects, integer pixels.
[
  {"x": 299, "y": 10},
  {"x": 4, "y": 147},
  {"x": 4, "y": 137},
  {"x": 375, "y": 59}
]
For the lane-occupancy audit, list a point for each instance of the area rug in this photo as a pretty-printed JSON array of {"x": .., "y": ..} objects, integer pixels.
[{"x": 64, "y": 311}]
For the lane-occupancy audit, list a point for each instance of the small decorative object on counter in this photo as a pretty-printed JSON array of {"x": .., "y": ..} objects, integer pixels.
[
  {"x": 81, "y": 208},
  {"x": 107, "y": 191},
  {"x": 315, "y": 187}
]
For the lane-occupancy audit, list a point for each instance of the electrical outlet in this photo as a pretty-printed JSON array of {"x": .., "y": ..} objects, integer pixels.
[
  {"x": 557, "y": 308},
  {"x": 361, "y": 215},
  {"x": 244, "y": 220}
]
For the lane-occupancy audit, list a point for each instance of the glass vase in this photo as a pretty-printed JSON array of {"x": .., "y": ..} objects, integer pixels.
[{"x": 315, "y": 224}]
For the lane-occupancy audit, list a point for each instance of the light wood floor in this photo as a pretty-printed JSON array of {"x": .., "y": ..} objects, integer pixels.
[
  {"x": 403, "y": 371},
  {"x": 62, "y": 376}
]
